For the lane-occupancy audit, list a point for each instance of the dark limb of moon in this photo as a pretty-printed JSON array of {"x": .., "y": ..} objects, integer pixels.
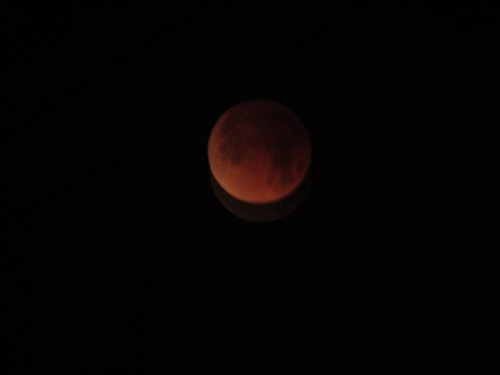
[{"x": 262, "y": 212}]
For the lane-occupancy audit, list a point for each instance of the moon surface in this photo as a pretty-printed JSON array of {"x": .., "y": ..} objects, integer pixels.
[
  {"x": 259, "y": 151},
  {"x": 262, "y": 212}
]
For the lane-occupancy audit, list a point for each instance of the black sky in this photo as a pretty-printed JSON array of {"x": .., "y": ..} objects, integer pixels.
[{"x": 118, "y": 256}]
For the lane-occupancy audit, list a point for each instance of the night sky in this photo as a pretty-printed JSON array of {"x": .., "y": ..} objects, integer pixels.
[{"x": 117, "y": 255}]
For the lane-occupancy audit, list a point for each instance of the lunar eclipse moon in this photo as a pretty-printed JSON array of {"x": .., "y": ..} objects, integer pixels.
[{"x": 259, "y": 152}]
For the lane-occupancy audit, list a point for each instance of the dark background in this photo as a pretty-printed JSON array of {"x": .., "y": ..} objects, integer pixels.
[{"x": 118, "y": 256}]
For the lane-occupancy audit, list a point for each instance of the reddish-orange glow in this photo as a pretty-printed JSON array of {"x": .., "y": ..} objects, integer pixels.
[{"x": 259, "y": 151}]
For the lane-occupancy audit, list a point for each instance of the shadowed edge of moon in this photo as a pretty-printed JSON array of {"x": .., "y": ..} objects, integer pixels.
[{"x": 263, "y": 212}]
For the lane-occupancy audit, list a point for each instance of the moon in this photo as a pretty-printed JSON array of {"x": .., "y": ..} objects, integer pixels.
[{"x": 259, "y": 151}]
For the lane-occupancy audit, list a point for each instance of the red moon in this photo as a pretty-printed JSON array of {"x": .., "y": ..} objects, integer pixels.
[{"x": 259, "y": 151}]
